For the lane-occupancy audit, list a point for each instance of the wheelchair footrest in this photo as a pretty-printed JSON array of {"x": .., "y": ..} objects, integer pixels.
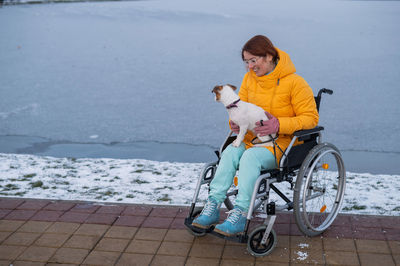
[
  {"x": 188, "y": 224},
  {"x": 240, "y": 238}
]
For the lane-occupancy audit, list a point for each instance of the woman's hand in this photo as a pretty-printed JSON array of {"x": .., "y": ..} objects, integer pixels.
[
  {"x": 268, "y": 127},
  {"x": 235, "y": 128}
]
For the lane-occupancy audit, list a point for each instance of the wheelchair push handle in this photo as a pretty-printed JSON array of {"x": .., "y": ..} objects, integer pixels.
[
  {"x": 324, "y": 90},
  {"x": 318, "y": 98}
]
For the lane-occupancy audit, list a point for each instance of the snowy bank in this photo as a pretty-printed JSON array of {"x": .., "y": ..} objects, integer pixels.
[{"x": 153, "y": 182}]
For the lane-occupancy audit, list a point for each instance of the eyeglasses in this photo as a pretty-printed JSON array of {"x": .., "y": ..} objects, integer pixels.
[{"x": 251, "y": 61}]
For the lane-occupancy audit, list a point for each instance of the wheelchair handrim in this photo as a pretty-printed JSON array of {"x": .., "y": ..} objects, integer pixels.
[{"x": 339, "y": 195}]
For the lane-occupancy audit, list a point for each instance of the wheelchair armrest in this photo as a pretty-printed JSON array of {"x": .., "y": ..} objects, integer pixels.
[{"x": 304, "y": 133}]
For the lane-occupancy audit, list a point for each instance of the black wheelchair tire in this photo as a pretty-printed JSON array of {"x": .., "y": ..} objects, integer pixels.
[
  {"x": 304, "y": 178},
  {"x": 254, "y": 246}
]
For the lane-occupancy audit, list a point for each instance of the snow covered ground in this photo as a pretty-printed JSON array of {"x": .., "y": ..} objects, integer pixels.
[{"x": 144, "y": 181}]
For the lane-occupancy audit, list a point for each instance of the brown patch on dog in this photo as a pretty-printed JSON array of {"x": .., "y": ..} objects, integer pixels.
[
  {"x": 216, "y": 91},
  {"x": 232, "y": 86}
]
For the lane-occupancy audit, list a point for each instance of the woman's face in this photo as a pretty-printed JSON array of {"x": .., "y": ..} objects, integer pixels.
[{"x": 261, "y": 65}]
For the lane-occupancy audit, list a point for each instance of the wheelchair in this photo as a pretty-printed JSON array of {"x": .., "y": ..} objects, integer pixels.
[{"x": 316, "y": 174}]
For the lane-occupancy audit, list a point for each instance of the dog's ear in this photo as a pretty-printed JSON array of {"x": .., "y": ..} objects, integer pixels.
[
  {"x": 216, "y": 89},
  {"x": 233, "y": 87}
]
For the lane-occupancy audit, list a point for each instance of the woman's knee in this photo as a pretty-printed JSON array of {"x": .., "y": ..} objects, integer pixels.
[
  {"x": 249, "y": 158},
  {"x": 260, "y": 158},
  {"x": 233, "y": 153}
]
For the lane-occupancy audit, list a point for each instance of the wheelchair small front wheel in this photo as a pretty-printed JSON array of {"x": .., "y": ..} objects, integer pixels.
[
  {"x": 254, "y": 244},
  {"x": 193, "y": 230},
  {"x": 319, "y": 189}
]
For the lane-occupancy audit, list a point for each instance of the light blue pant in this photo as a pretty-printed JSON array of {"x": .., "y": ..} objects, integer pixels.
[{"x": 251, "y": 162}]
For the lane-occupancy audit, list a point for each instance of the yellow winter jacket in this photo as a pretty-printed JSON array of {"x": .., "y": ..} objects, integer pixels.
[{"x": 285, "y": 95}]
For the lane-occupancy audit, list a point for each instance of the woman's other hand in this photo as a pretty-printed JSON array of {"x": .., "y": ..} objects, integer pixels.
[
  {"x": 271, "y": 126},
  {"x": 234, "y": 127}
]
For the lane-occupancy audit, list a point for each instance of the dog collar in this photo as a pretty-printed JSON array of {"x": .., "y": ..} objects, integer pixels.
[{"x": 233, "y": 104}]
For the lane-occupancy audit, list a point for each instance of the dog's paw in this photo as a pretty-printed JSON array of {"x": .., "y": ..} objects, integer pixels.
[{"x": 236, "y": 143}]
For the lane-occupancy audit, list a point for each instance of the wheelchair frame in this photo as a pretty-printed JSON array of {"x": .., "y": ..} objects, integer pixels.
[{"x": 303, "y": 161}]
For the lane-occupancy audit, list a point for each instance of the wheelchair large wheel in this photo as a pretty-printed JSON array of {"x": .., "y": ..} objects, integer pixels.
[
  {"x": 319, "y": 189},
  {"x": 254, "y": 245}
]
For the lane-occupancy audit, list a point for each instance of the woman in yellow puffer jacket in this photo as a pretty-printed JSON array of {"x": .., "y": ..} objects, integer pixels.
[{"x": 288, "y": 100}]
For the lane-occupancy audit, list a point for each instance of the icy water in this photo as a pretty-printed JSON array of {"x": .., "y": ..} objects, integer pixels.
[{"x": 133, "y": 79}]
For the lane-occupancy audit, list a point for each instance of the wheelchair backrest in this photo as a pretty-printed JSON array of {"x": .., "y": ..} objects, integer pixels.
[{"x": 298, "y": 153}]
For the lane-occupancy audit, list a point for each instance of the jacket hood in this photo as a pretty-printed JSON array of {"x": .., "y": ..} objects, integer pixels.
[{"x": 284, "y": 68}]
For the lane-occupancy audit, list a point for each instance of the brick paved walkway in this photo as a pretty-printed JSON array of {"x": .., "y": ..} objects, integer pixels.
[{"x": 44, "y": 232}]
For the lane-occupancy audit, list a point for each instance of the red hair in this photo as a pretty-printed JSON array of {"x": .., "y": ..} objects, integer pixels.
[{"x": 260, "y": 45}]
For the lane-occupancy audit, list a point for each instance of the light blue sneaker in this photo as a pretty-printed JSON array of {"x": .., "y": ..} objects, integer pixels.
[
  {"x": 234, "y": 224},
  {"x": 209, "y": 215}
]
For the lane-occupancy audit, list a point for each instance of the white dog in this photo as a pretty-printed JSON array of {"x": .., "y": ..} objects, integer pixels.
[{"x": 244, "y": 114}]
